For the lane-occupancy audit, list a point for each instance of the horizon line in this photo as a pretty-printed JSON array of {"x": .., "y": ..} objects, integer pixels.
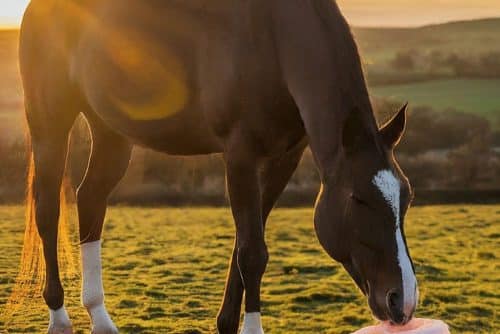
[
  {"x": 425, "y": 25},
  {"x": 16, "y": 27}
]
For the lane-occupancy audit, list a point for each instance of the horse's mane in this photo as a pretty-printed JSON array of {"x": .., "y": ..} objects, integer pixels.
[{"x": 347, "y": 57}]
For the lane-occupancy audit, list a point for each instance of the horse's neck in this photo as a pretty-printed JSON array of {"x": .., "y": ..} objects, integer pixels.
[{"x": 322, "y": 67}]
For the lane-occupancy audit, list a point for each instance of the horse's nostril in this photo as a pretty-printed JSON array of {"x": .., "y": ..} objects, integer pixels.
[
  {"x": 395, "y": 306},
  {"x": 393, "y": 299}
]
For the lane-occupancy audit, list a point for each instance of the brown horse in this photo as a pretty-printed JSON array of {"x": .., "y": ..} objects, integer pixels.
[{"x": 255, "y": 80}]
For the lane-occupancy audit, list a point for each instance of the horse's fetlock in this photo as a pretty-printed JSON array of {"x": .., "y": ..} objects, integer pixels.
[
  {"x": 91, "y": 302},
  {"x": 227, "y": 324},
  {"x": 101, "y": 321},
  {"x": 53, "y": 296}
]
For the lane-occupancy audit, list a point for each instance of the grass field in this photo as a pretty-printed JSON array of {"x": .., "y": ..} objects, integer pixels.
[
  {"x": 165, "y": 271},
  {"x": 474, "y": 96}
]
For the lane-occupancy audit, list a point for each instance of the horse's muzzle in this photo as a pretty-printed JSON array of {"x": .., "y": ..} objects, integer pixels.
[{"x": 396, "y": 308}]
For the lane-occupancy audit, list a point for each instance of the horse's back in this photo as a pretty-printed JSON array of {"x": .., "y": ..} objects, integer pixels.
[
  {"x": 138, "y": 68},
  {"x": 171, "y": 75}
]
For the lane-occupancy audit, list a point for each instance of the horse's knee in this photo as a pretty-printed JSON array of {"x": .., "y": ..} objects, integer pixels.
[
  {"x": 252, "y": 259},
  {"x": 87, "y": 197}
]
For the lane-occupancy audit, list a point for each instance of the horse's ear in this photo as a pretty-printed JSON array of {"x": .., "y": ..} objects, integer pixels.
[
  {"x": 393, "y": 130},
  {"x": 355, "y": 136}
]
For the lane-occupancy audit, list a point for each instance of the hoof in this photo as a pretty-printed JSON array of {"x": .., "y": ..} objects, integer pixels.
[
  {"x": 59, "y": 322},
  {"x": 101, "y": 321},
  {"x": 252, "y": 324},
  {"x": 253, "y": 331},
  {"x": 55, "y": 330},
  {"x": 105, "y": 330}
]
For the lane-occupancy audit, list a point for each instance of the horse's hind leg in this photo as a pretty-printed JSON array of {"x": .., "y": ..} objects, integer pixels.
[
  {"x": 108, "y": 163},
  {"x": 228, "y": 319},
  {"x": 49, "y": 148},
  {"x": 273, "y": 178}
]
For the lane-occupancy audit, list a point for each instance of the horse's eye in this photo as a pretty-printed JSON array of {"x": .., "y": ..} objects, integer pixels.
[
  {"x": 370, "y": 246},
  {"x": 358, "y": 200}
]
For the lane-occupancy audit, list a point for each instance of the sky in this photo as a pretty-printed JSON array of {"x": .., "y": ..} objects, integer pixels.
[
  {"x": 416, "y": 12},
  {"x": 359, "y": 12},
  {"x": 11, "y": 12}
]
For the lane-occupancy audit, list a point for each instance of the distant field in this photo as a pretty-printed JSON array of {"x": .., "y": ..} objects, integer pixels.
[
  {"x": 475, "y": 96},
  {"x": 165, "y": 271}
]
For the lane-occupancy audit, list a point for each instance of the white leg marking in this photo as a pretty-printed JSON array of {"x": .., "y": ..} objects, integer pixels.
[
  {"x": 252, "y": 324},
  {"x": 389, "y": 186},
  {"x": 59, "y": 322},
  {"x": 93, "y": 291}
]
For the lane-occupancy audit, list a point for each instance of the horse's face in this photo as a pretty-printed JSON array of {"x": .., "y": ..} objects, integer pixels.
[{"x": 360, "y": 215}]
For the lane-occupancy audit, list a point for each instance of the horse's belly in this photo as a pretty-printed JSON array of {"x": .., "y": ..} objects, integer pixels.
[
  {"x": 157, "y": 123},
  {"x": 186, "y": 133},
  {"x": 179, "y": 139}
]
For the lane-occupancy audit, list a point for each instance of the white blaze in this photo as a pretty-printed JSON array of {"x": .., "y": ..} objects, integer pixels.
[
  {"x": 92, "y": 288},
  {"x": 390, "y": 188},
  {"x": 252, "y": 324}
]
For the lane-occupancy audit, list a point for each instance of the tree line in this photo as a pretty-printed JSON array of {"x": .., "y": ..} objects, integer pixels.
[
  {"x": 413, "y": 65},
  {"x": 442, "y": 150}
]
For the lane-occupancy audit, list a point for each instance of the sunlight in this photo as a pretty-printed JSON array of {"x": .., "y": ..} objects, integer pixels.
[{"x": 11, "y": 12}]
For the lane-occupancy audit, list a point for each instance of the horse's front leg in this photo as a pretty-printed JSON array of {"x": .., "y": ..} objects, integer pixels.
[
  {"x": 108, "y": 162},
  {"x": 250, "y": 249}
]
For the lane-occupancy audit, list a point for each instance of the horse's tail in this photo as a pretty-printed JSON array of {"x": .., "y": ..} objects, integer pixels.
[{"x": 31, "y": 276}]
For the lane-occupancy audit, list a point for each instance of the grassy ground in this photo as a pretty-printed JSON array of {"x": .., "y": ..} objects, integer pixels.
[{"x": 165, "y": 271}]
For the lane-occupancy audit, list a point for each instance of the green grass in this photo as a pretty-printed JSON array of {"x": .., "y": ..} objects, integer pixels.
[
  {"x": 474, "y": 96},
  {"x": 165, "y": 271}
]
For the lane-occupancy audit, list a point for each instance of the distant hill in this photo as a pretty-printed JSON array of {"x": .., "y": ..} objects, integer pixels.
[
  {"x": 468, "y": 37},
  {"x": 466, "y": 49}
]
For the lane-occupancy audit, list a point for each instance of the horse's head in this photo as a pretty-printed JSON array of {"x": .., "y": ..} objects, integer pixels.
[{"x": 360, "y": 215}]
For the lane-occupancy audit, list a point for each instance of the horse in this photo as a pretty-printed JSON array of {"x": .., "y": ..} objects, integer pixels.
[{"x": 256, "y": 81}]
